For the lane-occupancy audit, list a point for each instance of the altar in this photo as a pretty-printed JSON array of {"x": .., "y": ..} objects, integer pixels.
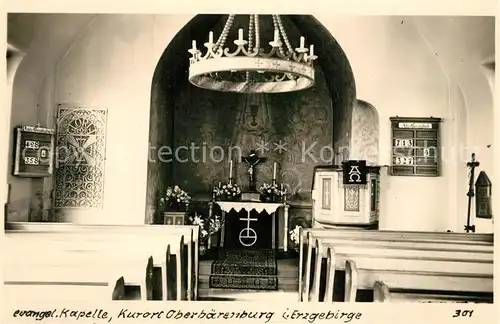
[{"x": 248, "y": 236}]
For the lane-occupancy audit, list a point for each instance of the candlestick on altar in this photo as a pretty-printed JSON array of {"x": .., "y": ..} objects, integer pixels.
[
  {"x": 274, "y": 172},
  {"x": 231, "y": 169}
]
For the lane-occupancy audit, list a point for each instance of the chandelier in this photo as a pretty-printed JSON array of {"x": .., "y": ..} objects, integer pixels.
[{"x": 249, "y": 68}]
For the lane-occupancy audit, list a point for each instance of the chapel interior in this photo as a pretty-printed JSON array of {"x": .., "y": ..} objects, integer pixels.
[{"x": 358, "y": 168}]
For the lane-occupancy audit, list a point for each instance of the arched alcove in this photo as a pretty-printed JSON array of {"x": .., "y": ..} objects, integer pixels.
[
  {"x": 365, "y": 133},
  {"x": 312, "y": 122}
]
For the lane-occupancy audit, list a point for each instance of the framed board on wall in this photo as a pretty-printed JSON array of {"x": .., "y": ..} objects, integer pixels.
[
  {"x": 33, "y": 151},
  {"x": 415, "y": 146}
]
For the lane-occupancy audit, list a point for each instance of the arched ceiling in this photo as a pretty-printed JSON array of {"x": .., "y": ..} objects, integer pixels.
[
  {"x": 475, "y": 34},
  {"x": 45, "y": 38}
]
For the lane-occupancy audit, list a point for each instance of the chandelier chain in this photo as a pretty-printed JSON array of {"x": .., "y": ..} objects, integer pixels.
[
  {"x": 250, "y": 33},
  {"x": 225, "y": 32},
  {"x": 283, "y": 33},
  {"x": 250, "y": 42},
  {"x": 276, "y": 27},
  {"x": 257, "y": 32}
]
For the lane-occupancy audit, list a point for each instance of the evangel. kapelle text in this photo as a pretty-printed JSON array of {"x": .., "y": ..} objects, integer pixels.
[{"x": 177, "y": 314}]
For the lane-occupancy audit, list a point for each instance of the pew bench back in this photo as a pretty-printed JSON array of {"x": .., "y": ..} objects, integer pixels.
[
  {"x": 68, "y": 254},
  {"x": 469, "y": 247},
  {"x": 408, "y": 276}
]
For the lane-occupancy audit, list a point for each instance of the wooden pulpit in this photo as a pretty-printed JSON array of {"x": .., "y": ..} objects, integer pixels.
[{"x": 343, "y": 197}]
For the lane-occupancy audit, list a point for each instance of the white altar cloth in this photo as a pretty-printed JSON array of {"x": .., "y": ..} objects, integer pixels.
[{"x": 259, "y": 207}]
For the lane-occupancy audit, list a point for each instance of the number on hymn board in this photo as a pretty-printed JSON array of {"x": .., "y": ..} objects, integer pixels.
[
  {"x": 31, "y": 160},
  {"x": 403, "y": 142},
  {"x": 463, "y": 313},
  {"x": 403, "y": 160},
  {"x": 32, "y": 144}
]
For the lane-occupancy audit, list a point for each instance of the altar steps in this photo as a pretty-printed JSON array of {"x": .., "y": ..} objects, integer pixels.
[{"x": 288, "y": 274}]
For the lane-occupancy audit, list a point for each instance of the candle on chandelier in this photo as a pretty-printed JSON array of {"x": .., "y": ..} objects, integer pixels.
[
  {"x": 211, "y": 37},
  {"x": 194, "y": 45},
  {"x": 231, "y": 169},
  {"x": 274, "y": 171},
  {"x": 240, "y": 34},
  {"x": 311, "y": 50},
  {"x": 302, "y": 42},
  {"x": 276, "y": 35}
]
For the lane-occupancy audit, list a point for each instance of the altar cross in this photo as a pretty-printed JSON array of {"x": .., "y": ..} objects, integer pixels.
[{"x": 252, "y": 160}]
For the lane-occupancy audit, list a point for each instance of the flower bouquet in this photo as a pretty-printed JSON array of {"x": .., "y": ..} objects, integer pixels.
[
  {"x": 208, "y": 227},
  {"x": 230, "y": 192},
  {"x": 175, "y": 199},
  {"x": 294, "y": 238},
  {"x": 272, "y": 193}
]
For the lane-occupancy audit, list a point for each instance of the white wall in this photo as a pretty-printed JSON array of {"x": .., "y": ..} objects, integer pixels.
[
  {"x": 422, "y": 67},
  {"x": 396, "y": 69},
  {"x": 111, "y": 67},
  {"x": 34, "y": 85},
  {"x": 10, "y": 70}
]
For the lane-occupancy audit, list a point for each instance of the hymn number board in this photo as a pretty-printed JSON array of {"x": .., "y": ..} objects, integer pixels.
[
  {"x": 33, "y": 151},
  {"x": 415, "y": 146}
]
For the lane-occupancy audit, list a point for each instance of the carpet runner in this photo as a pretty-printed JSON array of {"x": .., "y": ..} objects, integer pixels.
[{"x": 245, "y": 269}]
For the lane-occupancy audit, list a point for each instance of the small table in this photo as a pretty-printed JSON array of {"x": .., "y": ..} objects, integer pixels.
[{"x": 259, "y": 207}]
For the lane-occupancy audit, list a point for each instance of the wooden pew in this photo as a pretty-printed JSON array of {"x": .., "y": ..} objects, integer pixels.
[
  {"x": 471, "y": 268},
  {"x": 480, "y": 242},
  {"x": 380, "y": 292},
  {"x": 411, "y": 269},
  {"x": 96, "y": 233},
  {"x": 169, "y": 272},
  {"x": 118, "y": 292},
  {"x": 127, "y": 257},
  {"x": 352, "y": 232},
  {"x": 144, "y": 279},
  {"x": 405, "y": 290},
  {"x": 135, "y": 277},
  {"x": 80, "y": 246}
]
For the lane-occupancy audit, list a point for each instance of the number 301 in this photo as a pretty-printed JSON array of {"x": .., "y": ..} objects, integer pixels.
[{"x": 463, "y": 313}]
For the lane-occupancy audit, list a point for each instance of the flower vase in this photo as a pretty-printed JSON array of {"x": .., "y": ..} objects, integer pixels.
[
  {"x": 203, "y": 248},
  {"x": 230, "y": 198},
  {"x": 174, "y": 218},
  {"x": 268, "y": 198}
]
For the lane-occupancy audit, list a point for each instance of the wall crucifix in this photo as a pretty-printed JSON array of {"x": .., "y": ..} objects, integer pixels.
[{"x": 252, "y": 160}]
